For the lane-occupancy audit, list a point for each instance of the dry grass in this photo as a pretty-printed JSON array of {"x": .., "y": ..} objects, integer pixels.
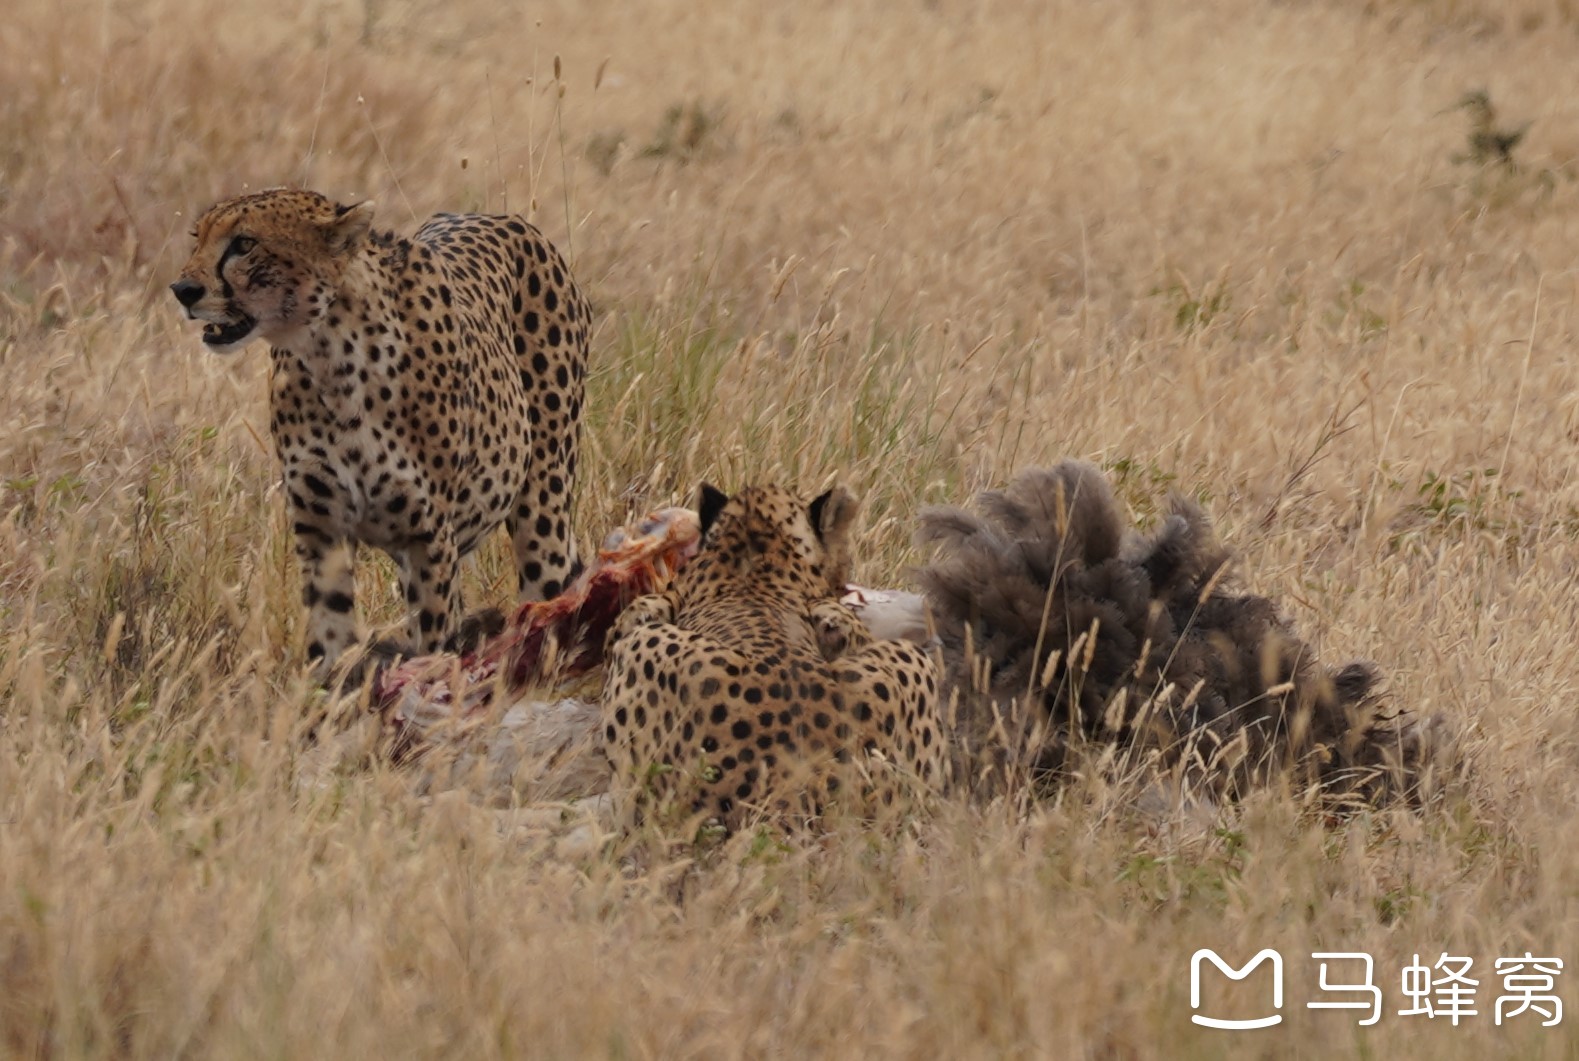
[{"x": 1220, "y": 246}]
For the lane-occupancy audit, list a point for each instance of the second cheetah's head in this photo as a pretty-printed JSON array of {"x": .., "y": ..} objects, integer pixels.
[
  {"x": 766, "y": 537},
  {"x": 266, "y": 265}
]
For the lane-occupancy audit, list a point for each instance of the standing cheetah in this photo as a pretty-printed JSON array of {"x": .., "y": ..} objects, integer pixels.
[{"x": 424, "y": 391}]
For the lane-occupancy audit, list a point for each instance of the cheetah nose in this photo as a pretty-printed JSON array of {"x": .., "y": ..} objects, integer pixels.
[{"x": 187, "y": 292}]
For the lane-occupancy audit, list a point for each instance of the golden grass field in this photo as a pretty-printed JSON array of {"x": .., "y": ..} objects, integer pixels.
[{"x": 1224, "y": 247}]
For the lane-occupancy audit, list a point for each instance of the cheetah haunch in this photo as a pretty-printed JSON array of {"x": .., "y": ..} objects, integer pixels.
[
  {"x": 424, "y": 391},
  {"x": 746, "y": 690}
]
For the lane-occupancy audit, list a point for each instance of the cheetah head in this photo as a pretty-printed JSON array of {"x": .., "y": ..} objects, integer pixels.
[
  {"x": 765, "y": 537},
  {"x": 266, "y": 265}
]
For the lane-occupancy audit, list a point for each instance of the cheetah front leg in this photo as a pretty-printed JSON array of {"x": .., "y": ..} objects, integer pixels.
[
  {"x": 430, "y": 577},
  {"x": 329, "y": 592},
  {"x": 545, "y": 550}
]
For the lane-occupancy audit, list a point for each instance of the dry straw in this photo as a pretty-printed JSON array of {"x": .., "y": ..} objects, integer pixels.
[{"x": 911, "y": 247}]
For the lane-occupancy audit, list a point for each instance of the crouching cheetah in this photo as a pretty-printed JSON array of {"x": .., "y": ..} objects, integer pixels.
[
  {"x": 741, "y": 690},
  {"x": 423, "y": 391}
]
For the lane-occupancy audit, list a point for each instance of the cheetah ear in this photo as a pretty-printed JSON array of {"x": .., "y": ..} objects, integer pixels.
[
  {"x": 350, "y": 225},
  {"x": 710, "y": 501},
  {"x": 832, "y": 515}
]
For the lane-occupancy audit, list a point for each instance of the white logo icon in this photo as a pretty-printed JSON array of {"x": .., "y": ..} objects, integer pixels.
[{"x": 1207, "y": 954}]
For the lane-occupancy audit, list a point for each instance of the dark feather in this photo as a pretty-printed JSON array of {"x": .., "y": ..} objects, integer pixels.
[{"x": 1053, "y": 612}]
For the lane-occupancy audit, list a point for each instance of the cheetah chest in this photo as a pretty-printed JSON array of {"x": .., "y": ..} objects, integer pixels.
[{"x": 372, "y": 461}]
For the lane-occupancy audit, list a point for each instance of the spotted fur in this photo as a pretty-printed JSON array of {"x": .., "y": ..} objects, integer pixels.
[
  {"x": 740, "y": 691},
  {"x": 424, "y": 391}
]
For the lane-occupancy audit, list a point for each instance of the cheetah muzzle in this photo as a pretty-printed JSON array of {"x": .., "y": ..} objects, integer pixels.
[
  {"x": 226, "y": 328},
  {"x": 222, "y": 338}
]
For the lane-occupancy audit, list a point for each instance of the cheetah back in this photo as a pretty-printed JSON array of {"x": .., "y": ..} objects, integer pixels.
[{"x": 718, "y": 699}]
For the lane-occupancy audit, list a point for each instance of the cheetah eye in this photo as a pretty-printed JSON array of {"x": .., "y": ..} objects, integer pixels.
[{"x": 242, "y": 245}]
